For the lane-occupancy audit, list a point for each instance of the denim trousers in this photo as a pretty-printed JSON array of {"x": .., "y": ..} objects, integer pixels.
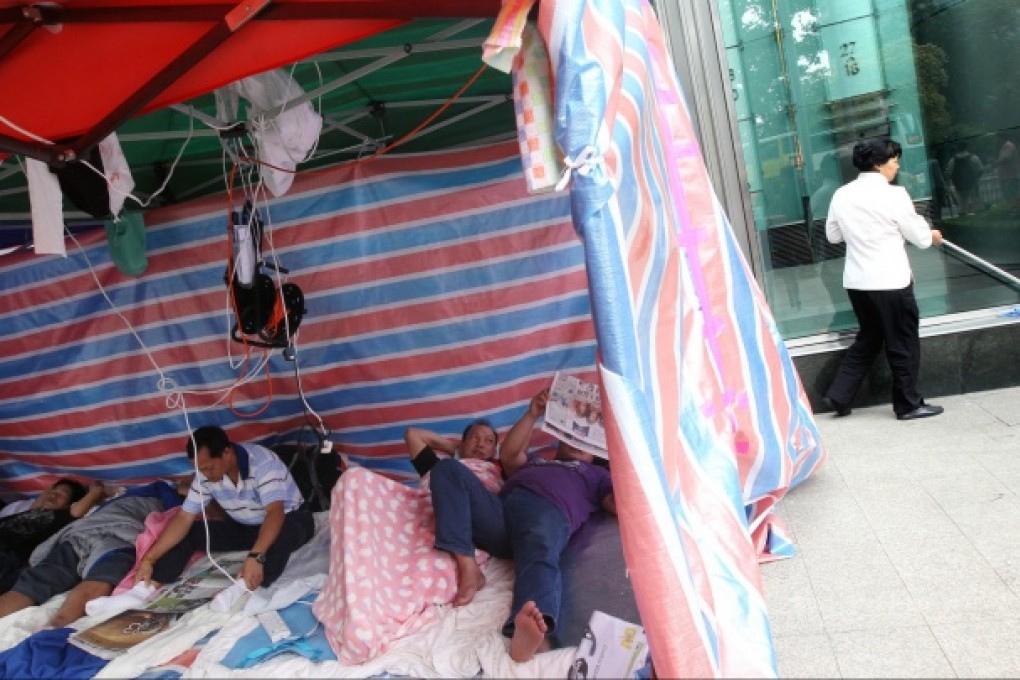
[
  {"x": 539, "y": 531},
  {"x": 467, "y": 514},
  {"x": 523, "y": 525}
]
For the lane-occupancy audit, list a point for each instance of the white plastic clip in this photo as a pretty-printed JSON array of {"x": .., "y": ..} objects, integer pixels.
[{"x": 584, "y": 164}]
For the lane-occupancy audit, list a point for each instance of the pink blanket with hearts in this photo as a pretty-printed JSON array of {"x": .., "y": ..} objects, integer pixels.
[{"x": 385, "y": 577}]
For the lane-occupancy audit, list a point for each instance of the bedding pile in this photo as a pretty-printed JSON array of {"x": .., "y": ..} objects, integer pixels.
[
  {"x": 386, "y": 580},
  {"x": 447, "y": 642}
]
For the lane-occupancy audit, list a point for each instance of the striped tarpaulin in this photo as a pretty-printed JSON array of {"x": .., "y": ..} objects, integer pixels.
[
  {"x": 707, "y": 422},
  {"x": 437, "y": 291}
]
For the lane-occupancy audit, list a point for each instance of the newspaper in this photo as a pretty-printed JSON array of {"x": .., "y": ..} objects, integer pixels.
[
  {"x": 573, "y": 414},
  {"x": 120, "y": 633}
]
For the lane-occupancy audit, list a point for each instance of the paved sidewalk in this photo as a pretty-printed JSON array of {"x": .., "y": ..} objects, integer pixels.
[{"x": 908, "y": 547}]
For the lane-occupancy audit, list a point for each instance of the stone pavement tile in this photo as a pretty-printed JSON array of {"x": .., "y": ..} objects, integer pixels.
[
  {"x": 981, "y": 649},
  {"x": 1002, "y": 460},
  {"x": 831, "y": 527},
  {"x": 952, "y": 582},
  {"x": 908, "y": 547},
  {"x": 965, "y": 600},
  {"x": 791, "y": 602},
  {"x": 970, "y": 489},
  {"x": 1003, "y": 404},
  {"x": 890, "y": 652},
  {"x": 905, "y": 510},
  {"x": 857, "y": 591},
  {"x": 806, "y": 656},
  {"x": 1003, "y": 554}
]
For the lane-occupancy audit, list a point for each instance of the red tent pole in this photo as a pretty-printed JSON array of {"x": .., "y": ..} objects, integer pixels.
[{"x": 25, "y": 20}]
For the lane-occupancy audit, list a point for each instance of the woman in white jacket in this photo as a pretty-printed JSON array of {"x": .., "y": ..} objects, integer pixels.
[{"x": 876, "y": 218}]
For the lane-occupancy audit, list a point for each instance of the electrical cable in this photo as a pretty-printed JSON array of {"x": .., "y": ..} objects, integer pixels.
[
  {"x": 385, "y": 149},
  {"x": 175, "y": 397},
  {"x": 23, "y": 131}
]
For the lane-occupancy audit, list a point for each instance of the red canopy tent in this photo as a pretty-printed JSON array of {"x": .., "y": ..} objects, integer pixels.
[{"x": 73, "y": 72}]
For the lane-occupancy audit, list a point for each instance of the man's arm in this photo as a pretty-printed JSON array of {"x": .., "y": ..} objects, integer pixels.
[
  {"x": 96, "y": 493},
  {"x": 172, "y": 534},
  {"x": 514, "y": 452},
  {"x": 417, "y": 439},
  {"x": 252, "y": 572}
]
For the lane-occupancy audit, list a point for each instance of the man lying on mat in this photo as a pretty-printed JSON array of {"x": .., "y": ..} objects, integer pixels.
[
  {"x": 91, "y": 555},
  {"x": 31, "y": 522},
  {"x": 542, "y": 504},
  {"x": 478, "y": 442}
]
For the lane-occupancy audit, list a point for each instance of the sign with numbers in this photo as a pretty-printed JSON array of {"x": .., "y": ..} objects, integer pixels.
[{"x": 854, "y": 59}]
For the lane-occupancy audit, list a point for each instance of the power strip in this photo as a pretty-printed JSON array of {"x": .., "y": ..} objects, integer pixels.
[{"x": 275, "y": 626}]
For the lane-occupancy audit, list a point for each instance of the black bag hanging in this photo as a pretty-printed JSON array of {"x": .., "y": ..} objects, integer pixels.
[{"x": 85, "y": 188}]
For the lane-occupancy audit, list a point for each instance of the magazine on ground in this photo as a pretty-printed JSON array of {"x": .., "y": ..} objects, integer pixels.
[
  {"x": 611, "y": 648},
  {"x": 573, "y": 414},
  {"x": 119, "y": 633}
]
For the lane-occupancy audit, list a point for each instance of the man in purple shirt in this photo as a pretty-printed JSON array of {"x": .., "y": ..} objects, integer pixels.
[{"x": 541, "y": 505}]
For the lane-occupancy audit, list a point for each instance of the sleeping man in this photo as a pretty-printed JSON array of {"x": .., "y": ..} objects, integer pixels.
[
  {"x": 32, "y": 522},
  {"x": 90, "y": 556},
  {"x": 542, "y": 504},
  {"x": 60, "y": 496}
]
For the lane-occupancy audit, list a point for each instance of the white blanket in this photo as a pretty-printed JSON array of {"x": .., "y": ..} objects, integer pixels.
[{"x": 460, "y": 643}]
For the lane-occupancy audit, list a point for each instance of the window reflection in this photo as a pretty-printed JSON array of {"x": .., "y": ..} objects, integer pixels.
[{"x": 809, "y": 78}]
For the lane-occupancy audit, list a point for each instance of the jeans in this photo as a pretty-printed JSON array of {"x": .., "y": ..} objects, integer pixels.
[
  {"x": 227, "y": 535},
  {"x": 539, "y": 531},
  {"x": 467, "y": 514}
]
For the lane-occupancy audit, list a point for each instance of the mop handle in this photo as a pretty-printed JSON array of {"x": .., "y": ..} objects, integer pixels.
[{"x": 984, "y": 263}]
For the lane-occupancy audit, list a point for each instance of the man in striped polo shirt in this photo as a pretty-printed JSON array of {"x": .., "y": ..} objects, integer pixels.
[{"x": 264, "y": 507}]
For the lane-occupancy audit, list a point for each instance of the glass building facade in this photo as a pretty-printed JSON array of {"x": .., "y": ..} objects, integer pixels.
[{"x": 808, "y": 78}]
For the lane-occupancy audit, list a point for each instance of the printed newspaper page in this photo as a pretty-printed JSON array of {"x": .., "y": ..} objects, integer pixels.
[
  {"x": 573, "y": 414},
  {"x": 119, "y": 633}
]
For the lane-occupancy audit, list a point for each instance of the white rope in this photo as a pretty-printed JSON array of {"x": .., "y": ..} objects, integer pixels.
[
  {"x": 23, "y": 131},
  {"x": 584, "y": 164}
]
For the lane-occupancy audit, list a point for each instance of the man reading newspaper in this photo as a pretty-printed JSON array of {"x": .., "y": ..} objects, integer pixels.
[
  {"x": 542, "y": 503},
  {"x": 573, "y": 414}
]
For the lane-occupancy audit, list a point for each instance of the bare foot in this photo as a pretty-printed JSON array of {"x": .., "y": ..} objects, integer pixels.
[
  {"x": 470, "y": 579},
  {"x": 73, "y": 607},
  {"x": 13, "y": 601},
  {"x": 529, "y": 633}
]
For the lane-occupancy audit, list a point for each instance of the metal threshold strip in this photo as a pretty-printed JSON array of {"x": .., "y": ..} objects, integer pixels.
[{"x": 931, "y": 327}]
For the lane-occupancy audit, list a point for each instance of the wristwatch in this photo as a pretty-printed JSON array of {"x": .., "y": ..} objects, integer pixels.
[{"x": 258, "y": 557}]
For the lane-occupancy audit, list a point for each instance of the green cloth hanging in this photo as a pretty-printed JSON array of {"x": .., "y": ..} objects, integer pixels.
[{"x": 127, "y": 243}]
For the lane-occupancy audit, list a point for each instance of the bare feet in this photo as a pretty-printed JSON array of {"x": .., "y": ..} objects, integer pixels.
[
  {"x": 470, "y": 579},
  {"x": 529, "y": 633}
]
